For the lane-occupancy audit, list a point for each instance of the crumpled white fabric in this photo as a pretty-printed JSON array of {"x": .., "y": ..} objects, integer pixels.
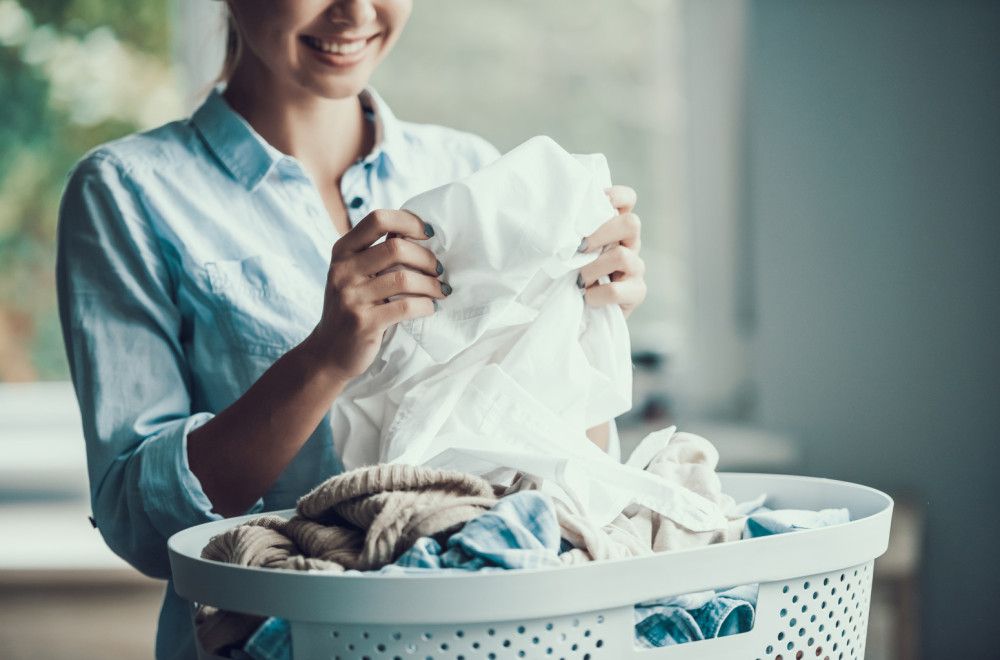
[
  {"x": 684, "y": 459},
  {"x": 513, "y": 368}
]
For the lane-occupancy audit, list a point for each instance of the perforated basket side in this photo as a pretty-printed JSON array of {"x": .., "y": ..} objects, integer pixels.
[
  {"x": 587, "y": 635},
  {"x": 819, "y": 617},
  {"x": 823, "y": 616}
]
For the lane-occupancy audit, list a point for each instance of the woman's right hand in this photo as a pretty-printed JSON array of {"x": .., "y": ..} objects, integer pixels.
[{"x": 371, "y": 287}]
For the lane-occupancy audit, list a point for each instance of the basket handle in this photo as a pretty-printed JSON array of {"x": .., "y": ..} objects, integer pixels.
[{"x": 718, "y": 648}]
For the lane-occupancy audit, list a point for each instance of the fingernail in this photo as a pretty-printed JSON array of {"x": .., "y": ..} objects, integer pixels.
[
  {"x": 579, "y": 280},
  {"x": 428, "y": 230},
  {"x": 583, "y": 246},
  {"x": 435, "y": 304},
  {"x": 445, "y": 288},
  {"x": 440, "y": 268}
]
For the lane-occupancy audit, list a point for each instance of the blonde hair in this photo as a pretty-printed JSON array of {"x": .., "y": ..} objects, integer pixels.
[{"x": 234, "y": 46}]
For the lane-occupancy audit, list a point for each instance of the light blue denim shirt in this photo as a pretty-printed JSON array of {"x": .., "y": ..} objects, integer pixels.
[{"x": 190, "y": 258}]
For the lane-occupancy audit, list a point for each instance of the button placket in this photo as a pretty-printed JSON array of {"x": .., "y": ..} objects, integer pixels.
[{"x": 356, "y": 196}]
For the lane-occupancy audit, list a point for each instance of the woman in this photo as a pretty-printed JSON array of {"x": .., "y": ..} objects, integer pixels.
[{"x": 221, "y": 279}]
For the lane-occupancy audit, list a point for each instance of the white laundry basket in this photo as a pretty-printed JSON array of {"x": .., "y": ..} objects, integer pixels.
[{"x": 815, "y": 589}]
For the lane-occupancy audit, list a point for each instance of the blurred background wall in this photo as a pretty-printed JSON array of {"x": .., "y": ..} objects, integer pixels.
[
  {"x": 872, "y": 222},
  {"x": 846, "y": 227},
  {"x": 818, "y": 184}
]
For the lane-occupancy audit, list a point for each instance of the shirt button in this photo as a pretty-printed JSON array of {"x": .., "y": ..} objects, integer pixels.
[{"x": 357, "y": 202}]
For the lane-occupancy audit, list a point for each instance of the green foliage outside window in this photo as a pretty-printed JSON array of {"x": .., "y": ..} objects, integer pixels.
[{"x": 73, "y": 74}]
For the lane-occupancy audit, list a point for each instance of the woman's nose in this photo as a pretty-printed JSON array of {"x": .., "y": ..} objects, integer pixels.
[{"x": 351, "y": 12}]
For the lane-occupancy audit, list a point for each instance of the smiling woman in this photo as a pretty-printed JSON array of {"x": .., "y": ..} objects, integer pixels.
[
  {"x": 222, "y": 279},
  {"x": 144, "y": 259}
]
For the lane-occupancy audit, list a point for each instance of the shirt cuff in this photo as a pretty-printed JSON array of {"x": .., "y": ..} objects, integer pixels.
[{"x": 172, "y": 495}]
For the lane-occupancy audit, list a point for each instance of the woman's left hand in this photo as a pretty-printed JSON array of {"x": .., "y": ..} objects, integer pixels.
[{"x": 620, "y": 261}]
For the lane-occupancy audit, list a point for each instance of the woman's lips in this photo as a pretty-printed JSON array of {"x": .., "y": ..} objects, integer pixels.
[
  {"x": 338, "y": 52},
  {"x": 338, "y": 46}
]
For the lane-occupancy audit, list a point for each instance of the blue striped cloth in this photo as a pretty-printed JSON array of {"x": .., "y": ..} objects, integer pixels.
[
  {"x": 695, "y": 617},
  {"x": 521, "y": 531}
]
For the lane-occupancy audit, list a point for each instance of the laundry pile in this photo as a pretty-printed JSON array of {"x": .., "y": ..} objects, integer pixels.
[{"x": 401, "y": 519}]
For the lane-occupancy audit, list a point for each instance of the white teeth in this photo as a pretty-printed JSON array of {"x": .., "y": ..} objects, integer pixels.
[{"x": 337, "y": 48}]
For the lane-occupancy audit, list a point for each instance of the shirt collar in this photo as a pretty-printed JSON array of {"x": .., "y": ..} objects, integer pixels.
[
  {"x": 249, "y": 158},
  {"x": 243, "y": 152}
]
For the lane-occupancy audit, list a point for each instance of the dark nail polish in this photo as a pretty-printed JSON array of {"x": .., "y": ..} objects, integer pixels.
[
  {"x": 445, "y": 288},
  {"x": 579, "y": 280},
  {"x": 583, "y": 246},
  {"x": 428, "y": 230},
  {"x": 435, "y": 304},
  {"x": 440, "y": 268}
]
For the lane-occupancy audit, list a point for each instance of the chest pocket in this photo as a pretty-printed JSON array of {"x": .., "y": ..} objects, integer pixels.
[{"x": 264, "y": 305}]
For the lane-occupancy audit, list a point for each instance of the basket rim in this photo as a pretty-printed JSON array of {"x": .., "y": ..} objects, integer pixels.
[{"x": 357, "y": 597}]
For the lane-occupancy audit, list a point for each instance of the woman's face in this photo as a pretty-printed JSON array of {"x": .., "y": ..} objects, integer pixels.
[{"x": 328, "y": 47}]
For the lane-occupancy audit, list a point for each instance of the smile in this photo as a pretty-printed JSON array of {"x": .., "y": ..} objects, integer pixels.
[{"x": 336, "y": 47}]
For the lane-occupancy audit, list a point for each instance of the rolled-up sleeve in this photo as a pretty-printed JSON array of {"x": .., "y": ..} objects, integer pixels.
[{"x": 122, "y": 331}]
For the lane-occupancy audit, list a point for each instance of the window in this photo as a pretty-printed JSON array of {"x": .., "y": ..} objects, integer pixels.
[{"x": 73, "y": 74}]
